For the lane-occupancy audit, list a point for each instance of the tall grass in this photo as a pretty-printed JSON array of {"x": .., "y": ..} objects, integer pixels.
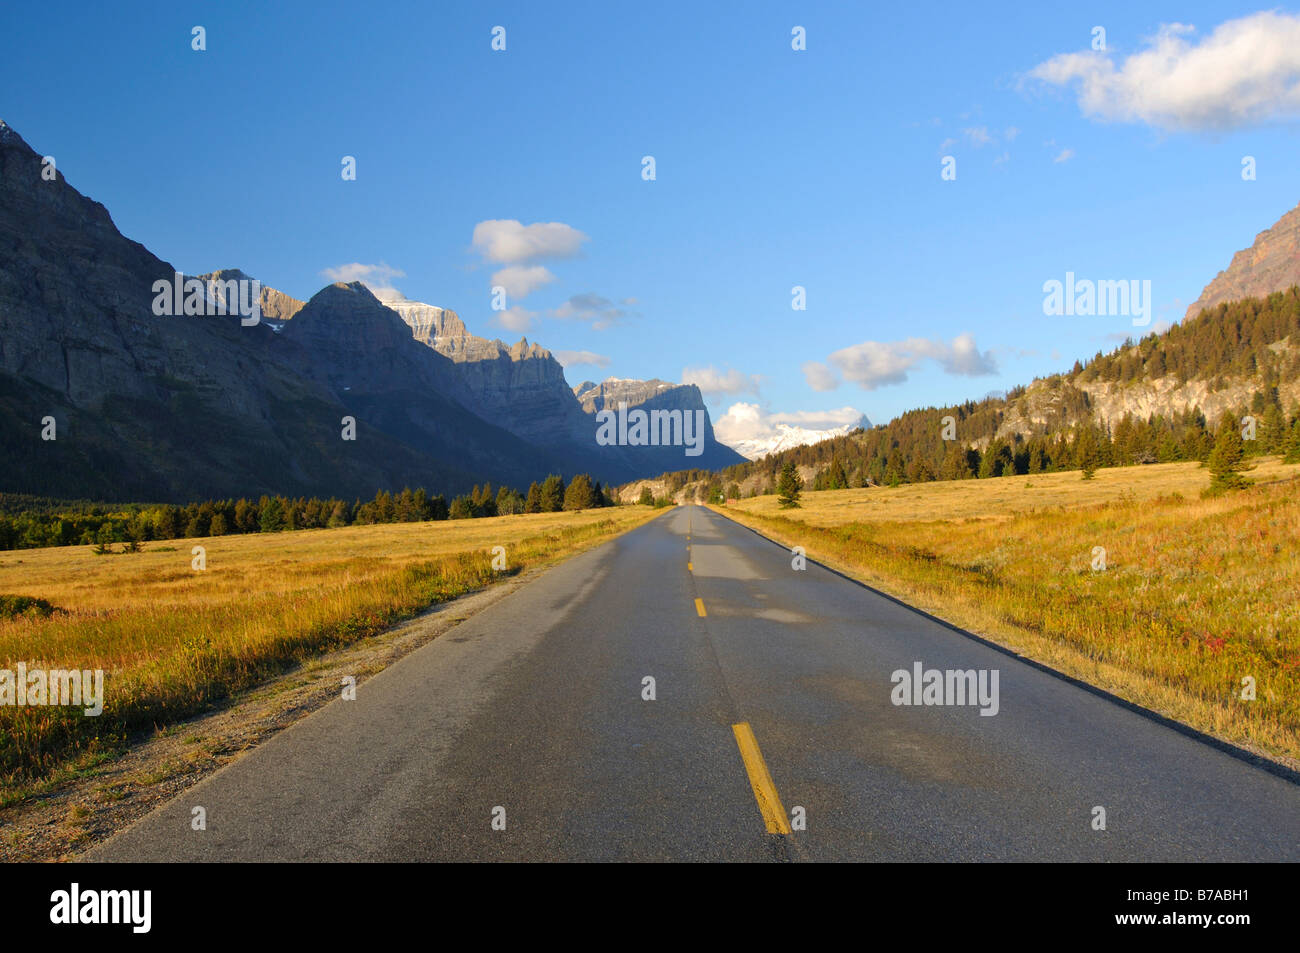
[
  {"x": 174, "y": 642},
  {"x": 1196, "y": 594}
]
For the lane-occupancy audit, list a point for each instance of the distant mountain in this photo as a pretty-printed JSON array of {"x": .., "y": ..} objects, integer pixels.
[
  {"x": 655, "y": 395},
  {"x": 1156, "y": 399},
  {"x": 615, "y": 390},
  {"x": 178, "y": 407},
  {"x": 522, "y": 389},
  {"x": 787, "y": 436},
  {"x": 277, "y": 307},
  {"x": 1271, "y": 264}
]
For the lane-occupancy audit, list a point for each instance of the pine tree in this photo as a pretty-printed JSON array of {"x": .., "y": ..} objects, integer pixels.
[
  {"x": 533, "y": 504},
  {"x": 788, "y": 487},
  {"x": 1292, "y": 447},
  {"x": 1087, "y": 452},
  {"x": 1228, "y": 458},
  {"x": 271, "y": 515},
  {"x": 646, "y": 498},
  {"x": 552, "y": 494},
  {"x": 578, "y": 494}
]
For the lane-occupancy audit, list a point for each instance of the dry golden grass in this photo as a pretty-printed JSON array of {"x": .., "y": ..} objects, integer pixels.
[
  {"x": 172, "y": 641},
  {"x": 1197, "y": 593}
]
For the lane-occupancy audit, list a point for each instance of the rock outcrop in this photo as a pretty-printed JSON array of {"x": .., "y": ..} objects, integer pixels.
[
  {"x": 176, "y": 408},
  {"x": 519, "y": 388},
  {"x": 1271, "y": 264},
  {"x": 277, "y": 307}
]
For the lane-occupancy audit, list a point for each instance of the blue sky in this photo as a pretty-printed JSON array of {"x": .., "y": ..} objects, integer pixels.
[{"x": 774, "y": 168}]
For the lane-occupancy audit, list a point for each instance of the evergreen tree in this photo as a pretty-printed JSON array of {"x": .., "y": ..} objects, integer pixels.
[
  {"x": 579, "y": 493},
  {"x": 533, "y": 504},
  {"x": 271, "y": 515},
  {"x": 1087, "y": 451},
  {"x": 1292, "y": 446},
  {"x": 1227, "y": 460},
  {"x": 552, "y": 494},
  {"x": 647, "y": 498},
  {"x": 789, "y": 486}
]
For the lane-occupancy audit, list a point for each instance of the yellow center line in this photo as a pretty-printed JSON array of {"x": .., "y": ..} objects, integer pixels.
[
  {"x": 769, "y": 802},
  {"x": 699, "y": 608},
  {"x": 690, "y": 568}
]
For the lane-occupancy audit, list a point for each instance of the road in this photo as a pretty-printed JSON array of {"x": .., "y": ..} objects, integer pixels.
[{"x": 532, "y": 713}]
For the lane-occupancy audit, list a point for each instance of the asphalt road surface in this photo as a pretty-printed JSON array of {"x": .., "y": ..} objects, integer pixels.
[{"x": 772, "y": 712}]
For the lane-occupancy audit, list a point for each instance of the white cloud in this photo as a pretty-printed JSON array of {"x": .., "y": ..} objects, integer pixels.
[
  {"x": 979, "y": 136},
  {"x": 1065, "y": 155},
  {"x": 515, "y": 318},
  {"x": 873, "y": 364},
  {"x": 819, "y": 377},
  {"x": 596, "y": 310},
  {"x": 510, "y": 242},
  {"x": 710, "y": 380},
  {"x": 522, "y": 280},
  {"x": 1246, "y": 72},
  {"x": 378, "y": 278},
  {"x": 745, "y": 421},
  {"x": 1011, "y": 133},
  {"x": 576, "y": 358}
]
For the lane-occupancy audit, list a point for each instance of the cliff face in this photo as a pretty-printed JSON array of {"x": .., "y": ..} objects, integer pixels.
[
  {"x": 176, "y": 407},
  {"x": 609, "y": 393},
  {"x": 277, "y": 307},
  {"x": 182, "y": 407},
  {"x": 1271, "y": 264},
  {"x": 520, "y": 388}
]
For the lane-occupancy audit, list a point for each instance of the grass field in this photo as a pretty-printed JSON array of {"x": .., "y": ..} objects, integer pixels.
[
  {"x": 1196, "y": 595},
  {"x": 174, "y": 641}
]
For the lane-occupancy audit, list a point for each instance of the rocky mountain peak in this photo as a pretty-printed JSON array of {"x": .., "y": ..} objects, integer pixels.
[
  {"x": 1271, "y": 264},
  {"x": 9, "y": 137},
  {"x": 277, "y": 307}
]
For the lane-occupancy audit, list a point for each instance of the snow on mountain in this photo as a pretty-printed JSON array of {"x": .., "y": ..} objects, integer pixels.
[{"x": 755, "y": 434}]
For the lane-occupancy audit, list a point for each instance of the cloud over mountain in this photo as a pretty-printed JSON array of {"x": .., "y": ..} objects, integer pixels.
[
  {"x": 1246, "y": 72},
  {"x": 873, "y": 364}
]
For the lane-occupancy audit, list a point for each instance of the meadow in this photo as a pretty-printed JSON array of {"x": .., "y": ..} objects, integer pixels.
[
  {"x": 174, "y": 641},
  {"x": 1131, "y": 581}
]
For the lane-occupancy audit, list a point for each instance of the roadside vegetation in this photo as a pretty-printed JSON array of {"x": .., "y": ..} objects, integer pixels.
[
  {"x": 174, "y": 641},
  {"x": 28, "y": 522},
  {"x": 1132, "y": 581}
]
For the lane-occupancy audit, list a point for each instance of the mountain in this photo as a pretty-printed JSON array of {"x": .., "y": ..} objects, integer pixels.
[
  {"x": 1157, "y": 399},
  {"x": 185, "y": 406},
  {"x": 787, "y": 436},
  {"x": 276, "y": 306},
  {"x": 364, "y": 354},
  {"x": 520, "y": 388},
  {"x": 176, "y": 408},
  {"x": 615, "y": 390},
  {"x": 650, "y": 396},
  {"x": 1271, "y": 264}
]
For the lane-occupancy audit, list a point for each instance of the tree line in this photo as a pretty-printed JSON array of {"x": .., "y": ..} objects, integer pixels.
[{"x": 28, "y": 522}]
